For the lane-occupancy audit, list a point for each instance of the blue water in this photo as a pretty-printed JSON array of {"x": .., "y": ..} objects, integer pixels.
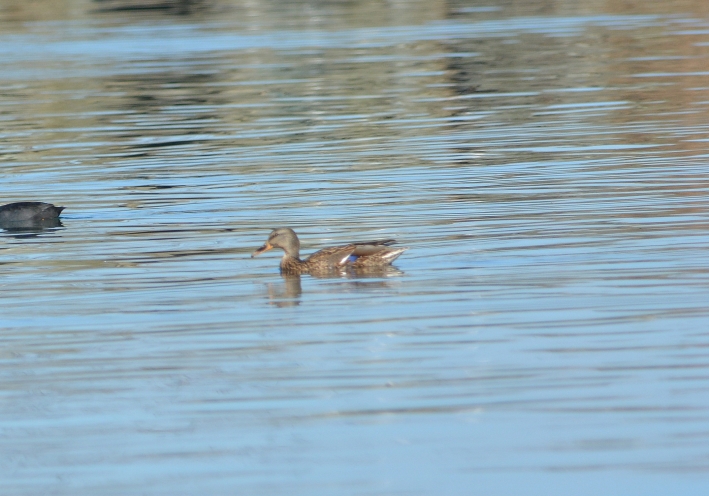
[{"x": 545, "y": 333}]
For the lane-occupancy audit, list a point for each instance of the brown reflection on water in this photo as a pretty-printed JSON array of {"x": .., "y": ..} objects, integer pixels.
[
  {"x": 287, "y": 293},
  {"x": 657, "y": 72}
]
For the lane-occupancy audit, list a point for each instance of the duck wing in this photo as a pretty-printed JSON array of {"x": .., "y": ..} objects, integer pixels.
[
  {"x": 378, "y": 249},
  {"x": 379, "y": 258},
  {"x": 334, "y": 256},
  {"x": 362, "y": 254},
  {"x": 375, "y": 242},
  {"x": 366, "y": 250}
]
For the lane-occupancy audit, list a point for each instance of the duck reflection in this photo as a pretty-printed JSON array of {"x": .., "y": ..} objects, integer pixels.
[{"x": 288, "y": 293}]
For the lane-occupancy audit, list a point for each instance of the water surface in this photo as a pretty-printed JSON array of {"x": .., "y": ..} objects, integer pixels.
[{"x": 546, "y": 333}]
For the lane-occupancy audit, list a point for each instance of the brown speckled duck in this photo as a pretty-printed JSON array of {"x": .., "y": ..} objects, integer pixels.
[{"x": 369, "y": 255}]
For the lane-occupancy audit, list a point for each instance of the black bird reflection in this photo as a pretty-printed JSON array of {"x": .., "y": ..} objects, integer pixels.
[{"x": 31, "y": 230}]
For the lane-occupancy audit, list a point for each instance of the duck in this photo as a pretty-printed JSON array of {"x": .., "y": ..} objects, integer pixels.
[
  {"x": 28, "y": 212},
  {"x": 362, "y": 255}
]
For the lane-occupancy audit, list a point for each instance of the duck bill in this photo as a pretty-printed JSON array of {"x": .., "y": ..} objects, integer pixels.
[{"x": 264, "y": 248}]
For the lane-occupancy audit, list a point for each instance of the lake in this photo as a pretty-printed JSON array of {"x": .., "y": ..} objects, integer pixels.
[{"x": 546, "y": 164}]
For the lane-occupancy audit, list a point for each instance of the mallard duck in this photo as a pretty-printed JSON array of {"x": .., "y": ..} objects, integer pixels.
[
  {"x": 372, "y": 254},
  {"x": 28, "y": 212}
]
